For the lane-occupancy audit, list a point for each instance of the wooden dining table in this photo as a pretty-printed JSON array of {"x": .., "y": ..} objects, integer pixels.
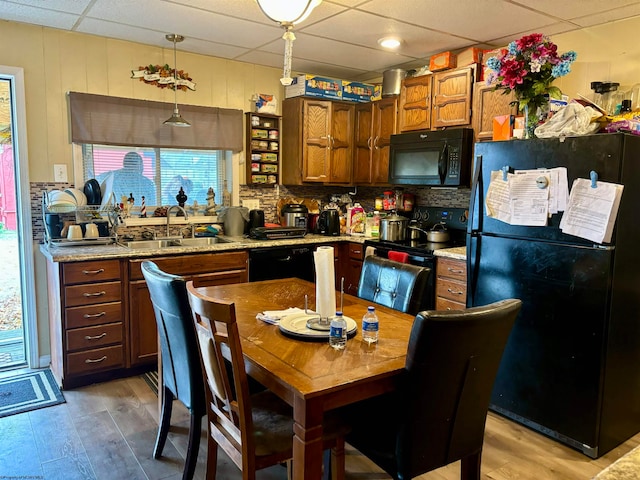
[{"x": 311, "y": 376}]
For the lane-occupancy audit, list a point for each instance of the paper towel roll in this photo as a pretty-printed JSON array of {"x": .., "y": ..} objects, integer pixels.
[{"x": 325, "y": 282}]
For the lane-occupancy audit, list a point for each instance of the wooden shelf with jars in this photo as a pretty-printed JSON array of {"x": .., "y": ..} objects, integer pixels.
[{"x": 262, "y": 148}]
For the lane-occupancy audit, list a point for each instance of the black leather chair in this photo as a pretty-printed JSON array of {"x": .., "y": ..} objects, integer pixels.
[
  {"x": 438, "y": 414},
  {"x": 181, "y": 370},
  {"x": 400, "y": 286}
]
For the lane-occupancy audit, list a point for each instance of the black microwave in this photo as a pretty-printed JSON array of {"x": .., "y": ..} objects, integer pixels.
[{"x": 431, "y": 157}]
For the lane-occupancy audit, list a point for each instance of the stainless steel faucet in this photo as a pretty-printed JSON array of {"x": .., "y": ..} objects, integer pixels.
[{"x": 186, "y": 215}]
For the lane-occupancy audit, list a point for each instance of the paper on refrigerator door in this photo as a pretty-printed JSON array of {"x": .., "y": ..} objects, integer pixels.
[
  {"x": 325, "y": 282},
  {"x": 591, "y": 212}
]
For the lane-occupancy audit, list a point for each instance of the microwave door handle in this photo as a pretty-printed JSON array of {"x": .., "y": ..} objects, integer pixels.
[{"x": 443, "y": 163}]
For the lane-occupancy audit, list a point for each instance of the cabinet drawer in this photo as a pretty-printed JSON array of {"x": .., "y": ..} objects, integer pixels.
[
  {"x": 355, "y": 251},
  {"x": 192, "y": 264},
  {"x": 95, "y": 360},
  {"x": 446, "y": 304},
  {"x": 92, "y": 337},
  {"x": 451, "y": 289},
  {"x": 452, "y": 268},
  {"x": 91, "y": 315},
  {"x": 85, "y": 272},
  {"x": 92, "y": 293}
]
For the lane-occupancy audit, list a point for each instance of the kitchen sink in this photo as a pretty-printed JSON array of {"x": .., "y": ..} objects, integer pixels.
[{"x": 177, "y": 242}]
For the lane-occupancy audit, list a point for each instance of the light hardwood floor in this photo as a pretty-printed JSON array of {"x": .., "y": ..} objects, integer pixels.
[{"x": 107, "y": 431}]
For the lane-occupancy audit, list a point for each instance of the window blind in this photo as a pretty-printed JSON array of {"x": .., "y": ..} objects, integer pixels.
[{"x": 105, "y": 120}]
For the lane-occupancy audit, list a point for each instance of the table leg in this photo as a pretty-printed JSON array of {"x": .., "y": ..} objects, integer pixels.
[{"x": 307, "y": 439}]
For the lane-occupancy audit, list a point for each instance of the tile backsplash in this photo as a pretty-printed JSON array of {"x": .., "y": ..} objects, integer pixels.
[{"x": 268, "y": 197}]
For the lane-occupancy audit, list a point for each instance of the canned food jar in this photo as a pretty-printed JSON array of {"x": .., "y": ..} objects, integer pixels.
[
  {"x": 273, "y": 134},
  {"x": 273, "y": 146},
  {"x": 255, "y": 167},
  {"x": 255, "y": 121},
  {"x": 271, "y": 179}
]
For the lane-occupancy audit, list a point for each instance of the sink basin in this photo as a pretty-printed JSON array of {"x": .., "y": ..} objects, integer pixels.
[{"x": 167, "y": 243}]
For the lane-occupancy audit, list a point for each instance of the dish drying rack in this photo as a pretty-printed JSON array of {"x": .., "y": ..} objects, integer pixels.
[{"x": 84, "y": 213}]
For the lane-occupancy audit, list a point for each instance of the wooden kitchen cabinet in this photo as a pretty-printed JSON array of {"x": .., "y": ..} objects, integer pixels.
[
  {"x": 86, "y": 320},
  {"x": 451, "y": 284},
  {"x": 451, "y": 97},
  {"x": 317, "y": 143},
  {"x": 487, "y": 104},
  {"x": 375, "y": 122},
  {"x": 415, "y": 103},
  {"x": 203, "y": 269},
  {"x": 351, "y": 257},
  {"x": 442, "y": 99}
]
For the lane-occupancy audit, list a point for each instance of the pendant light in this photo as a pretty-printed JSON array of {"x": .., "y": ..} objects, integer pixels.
[
  {"x": 176, "y": 119},
  {"x": 287, "y": 13}
]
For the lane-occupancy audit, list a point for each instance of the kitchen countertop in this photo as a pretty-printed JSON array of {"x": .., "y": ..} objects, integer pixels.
[
  {"x": 97, "y": 252},
  {"x": 459, "y": 253}
]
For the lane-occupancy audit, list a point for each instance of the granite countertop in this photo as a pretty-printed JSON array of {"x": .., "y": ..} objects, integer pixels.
[
  {"x": 459, "y": 253},
  {"x": 111, "y": 251}
]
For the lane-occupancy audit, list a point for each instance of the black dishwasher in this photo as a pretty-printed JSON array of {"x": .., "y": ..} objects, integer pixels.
[{"x": 281, "y": 262}]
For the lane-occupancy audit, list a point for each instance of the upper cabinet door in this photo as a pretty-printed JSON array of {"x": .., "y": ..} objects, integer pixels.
[
  {"x": 415, "y": 103},
  {"x": 363, "y": 143},
  {"x": 452, "y": 97},
  {"x": 385, "y": 121},
  {"x": 487, "y": 104},
  {"x": 341, "y": 142},
  {"x": 316, "y": 141}
]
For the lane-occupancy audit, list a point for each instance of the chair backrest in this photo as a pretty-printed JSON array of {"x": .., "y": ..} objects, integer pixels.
[
  {"x": 227, "y": 392},
  {"x": 181, "y": 371},
  {"x": 400, "y": 286},
  {"x": 452, "y": 361}
]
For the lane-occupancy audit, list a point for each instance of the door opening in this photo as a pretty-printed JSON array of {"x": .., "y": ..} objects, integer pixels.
[{"x": 18, "y": 347}]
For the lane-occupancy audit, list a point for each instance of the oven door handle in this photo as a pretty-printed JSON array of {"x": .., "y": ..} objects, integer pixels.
[{"x": 443, "y": 163}]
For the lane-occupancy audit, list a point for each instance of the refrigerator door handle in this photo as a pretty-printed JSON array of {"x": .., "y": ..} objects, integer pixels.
[{"x": 475, "y": 214}]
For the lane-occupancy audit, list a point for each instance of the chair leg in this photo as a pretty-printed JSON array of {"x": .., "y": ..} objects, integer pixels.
[
  {"x": 212, "y": 456},
  {"x": 337, "y": 460},
  {"x": 165, "y": 422},
  {"x": 192, "y": 448},
  {"x": 470, "y": 466}
]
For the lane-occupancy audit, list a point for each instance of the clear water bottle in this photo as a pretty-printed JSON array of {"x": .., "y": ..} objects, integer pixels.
[
  {"x": 370, "y": 326},
  {"x": 338, "y": 332}
]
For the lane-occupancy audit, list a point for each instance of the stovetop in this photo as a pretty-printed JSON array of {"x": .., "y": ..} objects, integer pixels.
[{"x": 455, "y": 220}]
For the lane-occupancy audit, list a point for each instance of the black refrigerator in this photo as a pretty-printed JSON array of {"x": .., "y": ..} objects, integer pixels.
[{"x": 571, "y": 367}]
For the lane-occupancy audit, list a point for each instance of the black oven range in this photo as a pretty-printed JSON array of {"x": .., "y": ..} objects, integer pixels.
[{"x": 420, "y": 251}]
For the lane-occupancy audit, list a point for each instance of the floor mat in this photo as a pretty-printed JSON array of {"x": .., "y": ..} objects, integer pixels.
[
  {"x": 152, "y": 380},
  {"x": 28, "y": 391}
]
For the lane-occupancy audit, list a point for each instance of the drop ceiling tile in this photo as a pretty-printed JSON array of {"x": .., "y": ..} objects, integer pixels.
[
  {"x": 169, "y": 17},
  {"x": 36, "y": 16},
  {"x": 569, "y": 9},
  {"x": 67, "y": 6},
  {"x": 476, "y": 21},
  {"x": 417, "y": 41},
  {"x": 609, "y": 16}
]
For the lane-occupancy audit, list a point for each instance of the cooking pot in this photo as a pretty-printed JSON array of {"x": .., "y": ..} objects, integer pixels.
[
  {"x": 393, "y": 228},
  {"x": 414, "y": 230},
  {"x": 438, "y": 235}
]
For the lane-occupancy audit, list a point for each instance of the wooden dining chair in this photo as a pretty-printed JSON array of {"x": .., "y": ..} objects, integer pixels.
[
  {"x": 255, "y": 431},
  {"x": 181, "y": 370},
  {"x": 400, "y": 286},
  {"x": 438, "y": 414}
]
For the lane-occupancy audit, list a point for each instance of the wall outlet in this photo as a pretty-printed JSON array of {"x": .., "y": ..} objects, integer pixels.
[
  {"x": 60, "y": 173},
  {"x": 253, "y": 204}
]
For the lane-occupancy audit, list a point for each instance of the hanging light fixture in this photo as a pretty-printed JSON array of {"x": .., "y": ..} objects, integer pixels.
[
  {"x": 176, "y": 119},
  {"x": 287, "y": 13}
]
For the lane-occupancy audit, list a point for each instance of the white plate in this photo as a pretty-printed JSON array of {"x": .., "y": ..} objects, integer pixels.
[
  {"x": 106, "y": 188},
  {"x": 296, "y": 326}
]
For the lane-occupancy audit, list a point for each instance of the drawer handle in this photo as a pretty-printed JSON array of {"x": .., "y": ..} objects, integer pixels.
[
  {"x": 97, "y": 337},
  {"x": 97, "y": 294},
  {"x": 357, "y": 252},
  {"x": 454, "y": 292},
  {"x": 97, "y": 360},
  {"x": 93, "y": 272},
  {"x": 453, "y": 270},
  {"x": 94, "y": 315}
]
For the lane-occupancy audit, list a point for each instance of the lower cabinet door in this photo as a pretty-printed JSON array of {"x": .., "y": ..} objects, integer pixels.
[{"x": 143, "y": 333}]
